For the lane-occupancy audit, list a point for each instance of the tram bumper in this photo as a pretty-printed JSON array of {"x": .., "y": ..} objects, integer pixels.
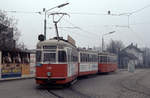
[{"x": 49, "y": 80}]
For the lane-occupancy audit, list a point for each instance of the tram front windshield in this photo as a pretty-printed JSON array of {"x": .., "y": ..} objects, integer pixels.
[{"x": 49, "y": 57}]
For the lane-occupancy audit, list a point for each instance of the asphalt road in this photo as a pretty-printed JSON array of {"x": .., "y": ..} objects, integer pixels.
[{"x": 120, "y": 84}]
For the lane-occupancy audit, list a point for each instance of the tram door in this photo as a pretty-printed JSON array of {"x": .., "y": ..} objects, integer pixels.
[{"x": 69, "y": 62}]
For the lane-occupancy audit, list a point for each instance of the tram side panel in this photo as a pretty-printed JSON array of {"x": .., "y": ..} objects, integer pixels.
[
  {"x": 72, "y": 66},
  {"x": 84, "y": 69},
  {"x": 107, "y": 63},
  {"x": 72, "y": 71},
  {"x": 87, "y": 66},
  {"x": 103, "y": 66}
]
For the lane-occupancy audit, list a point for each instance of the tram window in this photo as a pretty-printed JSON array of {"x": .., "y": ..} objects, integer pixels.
[
  {"x": 81, "y": 57},
  {"x": 49, "y": 57},
  {"x": 108, "y": 59},
  {"x": 86, "y": 57},
  {"x": 111, "y": 59},
  {"x": 74, "y": 58},
  {"x": 98, "y": 58},
  {"x": 103, "y": 59},
  {"x": 49, "y": 47},
  {"x": 95, "y": 58},
  {"x": 38, "y": 56},
  {"x": 61, "y": 56}
]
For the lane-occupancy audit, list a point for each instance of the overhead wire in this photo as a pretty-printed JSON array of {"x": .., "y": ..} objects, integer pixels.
[
  {"x": 84, "y": 13},
  {"x": 78, "y": 37},
  {"x": 138, "y": 10},
  {"x": 104, "y": 14},
  {"x": 24, "y": 12},
  {"x": 81, "y": 29},
  {"x": 136, "y": 34},
  {"x": 144, "y": 23},
  {"x": 78, "y": 28},
  {"x": 129, "y": 25}
]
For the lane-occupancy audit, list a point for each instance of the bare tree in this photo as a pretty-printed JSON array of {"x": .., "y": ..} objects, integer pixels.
[
  {"x": 10, "y": 22},
  {"x": 115, "y": 46}
]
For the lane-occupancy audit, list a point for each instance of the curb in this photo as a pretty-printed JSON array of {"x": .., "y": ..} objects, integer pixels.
[{"x": 17, "y": 78}]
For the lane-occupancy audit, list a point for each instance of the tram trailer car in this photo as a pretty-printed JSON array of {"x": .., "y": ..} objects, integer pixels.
[
  {"x": 57, "y": 62},
  {"x": 87, "y": 62},
  {"x": 107, "y": 62}
]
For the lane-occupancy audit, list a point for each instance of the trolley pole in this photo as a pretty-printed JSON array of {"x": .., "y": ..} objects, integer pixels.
[
  {"x": 56, "y": 22},
  {"x": 56, "y": 28},
  {"x": 102, "y": 43},
  {"x": 45, "y": 16}
]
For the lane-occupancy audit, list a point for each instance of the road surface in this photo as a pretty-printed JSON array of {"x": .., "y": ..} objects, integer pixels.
[{"x": 120, "y": 84}]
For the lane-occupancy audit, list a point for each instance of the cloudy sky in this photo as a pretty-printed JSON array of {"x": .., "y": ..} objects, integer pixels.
[{"x": 90, "y": 16}]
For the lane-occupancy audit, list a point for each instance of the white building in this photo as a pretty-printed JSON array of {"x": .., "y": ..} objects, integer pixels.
[{"x": 136, "y": 53}]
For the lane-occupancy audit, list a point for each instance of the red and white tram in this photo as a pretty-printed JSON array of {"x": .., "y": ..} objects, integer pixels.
[
  {"x": 60, "y": 62},
  {"x": 57, "y": 62},
  {"x": 87, "y": 62},
  {"x": 107, "y": 62}
]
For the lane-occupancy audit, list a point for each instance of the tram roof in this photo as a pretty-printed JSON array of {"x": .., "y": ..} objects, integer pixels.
[
  {"x": 87, "y": 50},
  {"x": 55, "y": 42},
  {"x": 106, "y": 53}
]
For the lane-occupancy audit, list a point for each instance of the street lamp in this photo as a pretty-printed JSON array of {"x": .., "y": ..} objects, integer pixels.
[
  {"x": 45, "y": 11},
  {"x": 103, "y": 38}
]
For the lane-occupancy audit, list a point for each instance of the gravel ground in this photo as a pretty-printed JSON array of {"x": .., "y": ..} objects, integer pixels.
[{"x": 120, "y": 84}]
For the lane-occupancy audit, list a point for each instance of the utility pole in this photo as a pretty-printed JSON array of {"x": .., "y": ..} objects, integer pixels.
[
  {"x": 103, "y": 38},
  {"x": 102, "y": 43}
]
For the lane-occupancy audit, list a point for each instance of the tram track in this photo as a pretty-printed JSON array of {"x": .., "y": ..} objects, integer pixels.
[
  {"x": 47, "y": 92},
  {"x": 78, "y": 93},
  {"x": 66, "y": 92},
  {"x": 55, "y": 94}
]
